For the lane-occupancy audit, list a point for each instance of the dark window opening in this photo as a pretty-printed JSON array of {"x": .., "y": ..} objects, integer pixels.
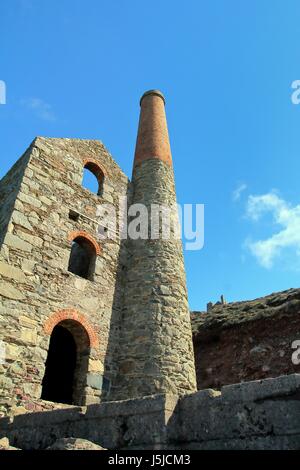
[
  {"x": 73, "y": 215},
  {"x": 60, "y": 367},
  {"x": 93, "y": 178},
  {"x": 82, "y": 258}
]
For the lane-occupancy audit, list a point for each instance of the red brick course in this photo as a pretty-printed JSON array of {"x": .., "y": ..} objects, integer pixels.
[
  {"x": 80, "y": 233},
  {"x": 91, "y": 162},
  {"x": 153, "y": 138},
  {"x": 72, "y": 314}
]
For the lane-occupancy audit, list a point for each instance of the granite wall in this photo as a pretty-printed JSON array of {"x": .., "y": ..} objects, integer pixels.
[
  {"x": 43, "y": 210},
  {"x": 255, "y": 415}
]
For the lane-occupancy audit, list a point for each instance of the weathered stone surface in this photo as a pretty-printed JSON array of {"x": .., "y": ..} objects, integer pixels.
[
  {"x": 16, "y": 243},
  {"x": 11, "y": 272},
  {"x": 254, "y": 415},
  {"x": 44, "y": 212},
  {"x": 32, "y": 240},
  {"x": 27, "y": 321},
  {"x": 155, "y": 278},
  {"x": 95, "y": 380},
  {"x": 96, "y": 366},
  {"x": 29, "y": 336},
  {"x": 35, "y": 284},
  {"x": 12, "y": 351},
  {"x": 120, "y": 424},
  {"x": 20, "y": 219},
  {"x": 4, "y": 443},
  {"x": 70, "y": 443},
  {"x": 128, "y": 317},
  {"x": 244, "y": 412},
  {"x": 244, "y": 341},
  {"x": 32, "y": 201},
  {"x": 8, "y": 291}
]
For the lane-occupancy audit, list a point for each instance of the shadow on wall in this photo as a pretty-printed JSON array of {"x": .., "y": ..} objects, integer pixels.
[
  {"x": 261, "y": 415},
  {"x": 9, "y": 188},
  {"x": 113, "y": 344},
  {"x": 116, "y": 425}
]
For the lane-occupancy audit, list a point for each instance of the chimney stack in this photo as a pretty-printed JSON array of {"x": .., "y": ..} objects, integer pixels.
[
  {"x": 156, "y": 351},
  {"x": 153, "y": 137}
]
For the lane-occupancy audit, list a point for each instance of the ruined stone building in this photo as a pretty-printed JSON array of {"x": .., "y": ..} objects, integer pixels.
[
  {"x": 85, "y": 319},
  {"x": 96, "y": 337}
]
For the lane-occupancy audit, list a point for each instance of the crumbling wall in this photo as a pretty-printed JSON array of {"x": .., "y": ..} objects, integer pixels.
[{"x": 246, "y": 341}]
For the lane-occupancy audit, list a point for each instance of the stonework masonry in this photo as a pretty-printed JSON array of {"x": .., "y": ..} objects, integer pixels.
[
  {"x": 121, "y": 305},
  {"x": 36, "y": 288},
  {"x": 98, "y": 340},
  {"x": 255, "y": 415},
  {"x": 157, "y": 342},
  {"x": 249, "y": 340}
]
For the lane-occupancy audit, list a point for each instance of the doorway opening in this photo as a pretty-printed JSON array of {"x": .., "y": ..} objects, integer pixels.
[{"x": 66, "y": 365}]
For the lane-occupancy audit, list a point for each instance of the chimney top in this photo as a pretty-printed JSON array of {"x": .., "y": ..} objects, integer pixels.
[
  {"x": 153, "y": 92},
  {"x": 153, "y": 138}
]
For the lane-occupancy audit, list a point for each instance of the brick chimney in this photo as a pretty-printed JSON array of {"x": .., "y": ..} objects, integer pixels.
[{"x": 153, "y": 137}]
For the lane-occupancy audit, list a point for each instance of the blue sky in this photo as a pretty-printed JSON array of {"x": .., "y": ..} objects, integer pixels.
[{"x": 78, "y": 68}]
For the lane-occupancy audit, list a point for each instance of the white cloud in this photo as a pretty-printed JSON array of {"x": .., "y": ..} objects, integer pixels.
[
  {"x": 41, "y": 109},
  {"x": 284, "y": 215},
  {"x": 236, "y": 194}
]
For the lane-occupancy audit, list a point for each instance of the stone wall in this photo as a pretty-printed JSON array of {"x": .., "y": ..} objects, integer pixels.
[
  {"x": 45, "y": 208},
  {"x": 244, "y": 341},
  {"x": 255, "y": 415},
  {"x": 9, "y": 187}
]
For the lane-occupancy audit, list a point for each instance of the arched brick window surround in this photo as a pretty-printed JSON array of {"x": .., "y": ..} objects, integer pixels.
[
  {"x": 98, "y": 171},
  {"x": 93, "y": 163},
  {"x": 81, "y": 234},
  {"x": 72, "y": 314}
]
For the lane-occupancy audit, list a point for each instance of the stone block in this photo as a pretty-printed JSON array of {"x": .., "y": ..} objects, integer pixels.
[
  {"x": 29, "y": 336},
  {"x": 94, "y": 380},
  {"x": 33, "y": 240},
  {"x": 8, "y": 291},
  {"x": 32, "y": 201},
  {"x": 16, "y": 243},
  {"x": 12, "y": 351},
  {"x": 4, "y": 443},
  {"x": 9, "y": 271},
  {"x": 20, "y": 219},
  {"x": 27, "y": 321},
  {"x": 28, "y": 266},
  {"x": 95, "y": 365},
  {"x": 264, "y": 388},
  {"x": 74, "y": 444}
]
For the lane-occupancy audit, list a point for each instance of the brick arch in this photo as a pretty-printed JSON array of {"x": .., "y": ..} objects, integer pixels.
[
  {"x": 82, "y": 234},
  {"x": 72, "y": 314},
  {"x": 93, "y": 165}
]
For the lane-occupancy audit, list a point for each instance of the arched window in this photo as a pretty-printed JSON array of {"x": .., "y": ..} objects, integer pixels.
[
  {"x": 93, "y": 178},
  {"x": 82, "y": 258},
  {"x": 67, "y": 364}
]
